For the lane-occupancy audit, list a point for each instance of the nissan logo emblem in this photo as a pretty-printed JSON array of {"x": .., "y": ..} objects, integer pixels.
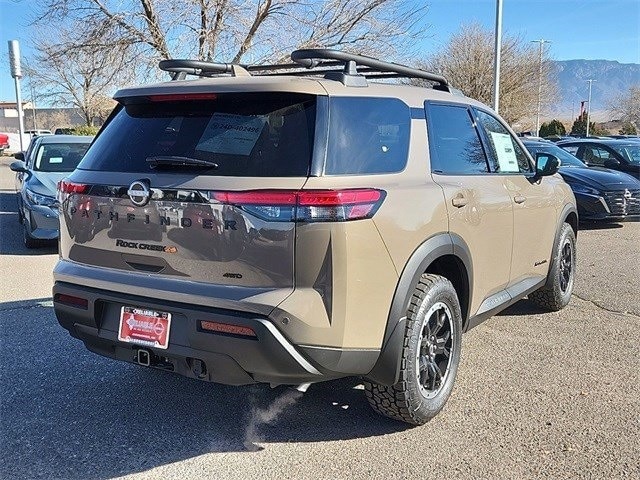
[{"x": 139, "y": 193}]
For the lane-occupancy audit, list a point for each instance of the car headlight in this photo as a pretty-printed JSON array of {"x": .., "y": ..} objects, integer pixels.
[
  {"x": 37, "y": 199},
  {"x": 581, "y": 188}
]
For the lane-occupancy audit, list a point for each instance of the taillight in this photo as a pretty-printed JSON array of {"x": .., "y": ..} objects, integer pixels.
[
  {"x": 66, "y": 188},
  {"x": 306, "y": 205}
]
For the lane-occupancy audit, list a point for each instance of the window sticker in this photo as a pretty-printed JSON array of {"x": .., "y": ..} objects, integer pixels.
[
  {"x": 230, "y": 134},
  {"x": 55, "y": 160},
  {"x": 506, "y": 153}
]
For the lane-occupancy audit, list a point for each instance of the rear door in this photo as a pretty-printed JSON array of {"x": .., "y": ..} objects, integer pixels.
[
  {"x": 182, "y": 186},
  {"x": 478, "y": 206},
  {"x": 535, "y": 203}
]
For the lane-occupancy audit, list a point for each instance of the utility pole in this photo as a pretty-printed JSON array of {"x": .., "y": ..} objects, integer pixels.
[
  {"x": 496, "y": 56},
  {"x": 542, "y": 41},
  {"x": 591, "y": 80},
  {"x": 16, "y": 73}
]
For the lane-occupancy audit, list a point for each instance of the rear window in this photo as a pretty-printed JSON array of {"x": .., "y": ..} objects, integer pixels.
[
  {"x": 367, "y": 135},
  {"x": 246, "y": 135},
  {"x": 59, "y": 157}
]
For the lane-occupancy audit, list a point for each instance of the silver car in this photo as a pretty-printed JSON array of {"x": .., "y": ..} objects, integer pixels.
[{"x": 48, "y": 160}]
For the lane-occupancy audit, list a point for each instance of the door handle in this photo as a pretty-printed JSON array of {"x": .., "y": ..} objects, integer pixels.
[
  {"x": 459, "y": 201},
  {"x": 519, "y": 199}
]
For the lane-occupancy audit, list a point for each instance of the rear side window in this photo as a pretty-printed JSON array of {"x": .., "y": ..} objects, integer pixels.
[
  {"x": 454, "y": 143},
  {"x": 246, "y": 135},
  {"x": 367, "y": 135},
  {"x": 59, "y": 157}
]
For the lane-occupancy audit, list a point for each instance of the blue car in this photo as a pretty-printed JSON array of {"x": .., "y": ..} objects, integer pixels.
[
  {"x": 602, "y": 194},
  {"x": 49, "y": 159}
]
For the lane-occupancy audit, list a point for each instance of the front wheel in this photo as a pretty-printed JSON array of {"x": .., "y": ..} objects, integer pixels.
[
  {"x": 556, "y": 293},
  {"x": 430, "y": 357}
]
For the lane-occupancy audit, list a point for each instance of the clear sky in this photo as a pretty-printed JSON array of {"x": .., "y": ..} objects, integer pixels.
[{"x": 578, "y": 29}]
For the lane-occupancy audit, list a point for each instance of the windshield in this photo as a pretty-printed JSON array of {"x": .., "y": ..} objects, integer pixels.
[
  {"x": 59, "y": 157},
  {"x": 238, "y": 134},
  {"x": 629, "y": 152},
  {"x": 566, "y": 159}
]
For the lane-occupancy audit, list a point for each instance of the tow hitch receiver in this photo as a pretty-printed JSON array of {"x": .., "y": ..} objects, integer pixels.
[{"x": 144, "y": 358}]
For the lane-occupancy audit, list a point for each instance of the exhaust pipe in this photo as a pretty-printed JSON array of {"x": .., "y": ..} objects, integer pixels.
[{"x": 302, "y": 388}]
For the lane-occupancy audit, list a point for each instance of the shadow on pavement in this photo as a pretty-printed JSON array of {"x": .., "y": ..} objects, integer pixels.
[
  {"x": 67, "y": 413},
  {"x": 599, "y": 225},
  {"x": 11, "y": 239},
  {"x": 522, "y": 307}
]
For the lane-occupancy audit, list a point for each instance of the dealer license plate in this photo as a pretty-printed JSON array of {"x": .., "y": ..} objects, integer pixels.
[{"x": 144, "y": 327}]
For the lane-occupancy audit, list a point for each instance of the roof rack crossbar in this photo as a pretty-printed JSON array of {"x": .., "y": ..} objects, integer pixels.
[
  {"x": 309, "y": 58},
  {"x": 181, "y": 67}
]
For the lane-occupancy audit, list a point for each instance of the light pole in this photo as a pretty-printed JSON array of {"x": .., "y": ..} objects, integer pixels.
[
  {"x": 496, "y": 56},
  {"x": 16, "y": 73},
  {"x": 591, "y": 80},
  {"x": 542, "y": 41},
  {"x": 33, "y": 105}
]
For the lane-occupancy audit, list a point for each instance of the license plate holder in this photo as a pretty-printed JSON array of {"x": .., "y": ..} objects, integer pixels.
[{"x": 142, "y": 326}]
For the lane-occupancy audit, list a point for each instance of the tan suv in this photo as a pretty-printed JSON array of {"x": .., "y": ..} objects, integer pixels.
[{"x": 297, "y": 223}]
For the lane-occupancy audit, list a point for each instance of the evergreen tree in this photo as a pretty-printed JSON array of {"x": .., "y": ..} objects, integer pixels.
[
  {"x": 580, "y": 127},
  {"x": 628, "y": 129},
  {"x": 554, "y": 127}
]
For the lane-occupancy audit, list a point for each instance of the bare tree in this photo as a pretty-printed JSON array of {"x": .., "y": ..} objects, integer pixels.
[
  {"x": 236, "y": 30},
  {"x": 83, "y": 77},
  {"x": 626, "y": 106},
  {"x": 467, "y": 61}
]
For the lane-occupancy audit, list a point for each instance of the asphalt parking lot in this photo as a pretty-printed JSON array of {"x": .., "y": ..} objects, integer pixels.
[{"x": 538, "y": 395}]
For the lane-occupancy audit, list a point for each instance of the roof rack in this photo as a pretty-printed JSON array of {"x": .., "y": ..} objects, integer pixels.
[{"x": 348, "y": 68}]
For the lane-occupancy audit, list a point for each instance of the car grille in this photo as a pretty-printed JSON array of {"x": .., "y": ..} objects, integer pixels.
[{"x": 623, "y": 202}]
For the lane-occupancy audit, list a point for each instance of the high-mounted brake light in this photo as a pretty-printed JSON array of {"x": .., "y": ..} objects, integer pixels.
[
  {"x": 182, "y": 97},
  {"x": 306, "y": 205}
]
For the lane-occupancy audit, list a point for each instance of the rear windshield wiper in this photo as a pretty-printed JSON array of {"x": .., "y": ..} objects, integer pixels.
[{"x": 176, "y": 161}]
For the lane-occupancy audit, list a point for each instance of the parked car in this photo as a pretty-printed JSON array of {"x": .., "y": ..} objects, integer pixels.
[
  {"x": 36, "y": 133},
  {"x": 48, "y": 160},
  {"x": 601, "y": 193},
  {"x": 4, "y": 142},
  {"x": 622, "y": 155},
  {"x": 312, "y": 228},
  {"x": 63, "y": 131}
]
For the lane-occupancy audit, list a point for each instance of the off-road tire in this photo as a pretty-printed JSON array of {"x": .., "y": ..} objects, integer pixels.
[
  {"x": 405, "y": 401},
  {"x": 552, "y": 296}
]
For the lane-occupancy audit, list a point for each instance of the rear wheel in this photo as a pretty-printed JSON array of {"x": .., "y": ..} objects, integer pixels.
[
  {"x": 556, "y": 293},
  {"x": 430, "y": 356}
]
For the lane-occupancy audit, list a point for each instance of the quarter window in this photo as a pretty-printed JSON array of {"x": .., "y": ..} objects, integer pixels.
[
  {"x": 506, "y": 154},
  {"x": 367, "y": 135},
  {"x": 454, "y": 144}
]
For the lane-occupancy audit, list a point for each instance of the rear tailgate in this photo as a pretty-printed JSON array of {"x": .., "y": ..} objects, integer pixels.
[{"x": 121, "y": 210}]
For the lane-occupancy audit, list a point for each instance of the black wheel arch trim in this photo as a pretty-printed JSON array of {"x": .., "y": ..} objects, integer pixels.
[
  {"x": 387, "y": 369},
  {"x": 562, "y": 219}
]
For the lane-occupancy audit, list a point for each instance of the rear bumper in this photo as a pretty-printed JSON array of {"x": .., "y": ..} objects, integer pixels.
[{"x": 229, "y": 359}]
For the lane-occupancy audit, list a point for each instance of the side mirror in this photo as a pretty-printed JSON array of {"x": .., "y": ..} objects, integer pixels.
[
  {"x": 612, "y": 163},
  {"x": 18, "y": 166},
  {"x": 546, "y": 164},
  {"x": 19, "y": 156}
]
